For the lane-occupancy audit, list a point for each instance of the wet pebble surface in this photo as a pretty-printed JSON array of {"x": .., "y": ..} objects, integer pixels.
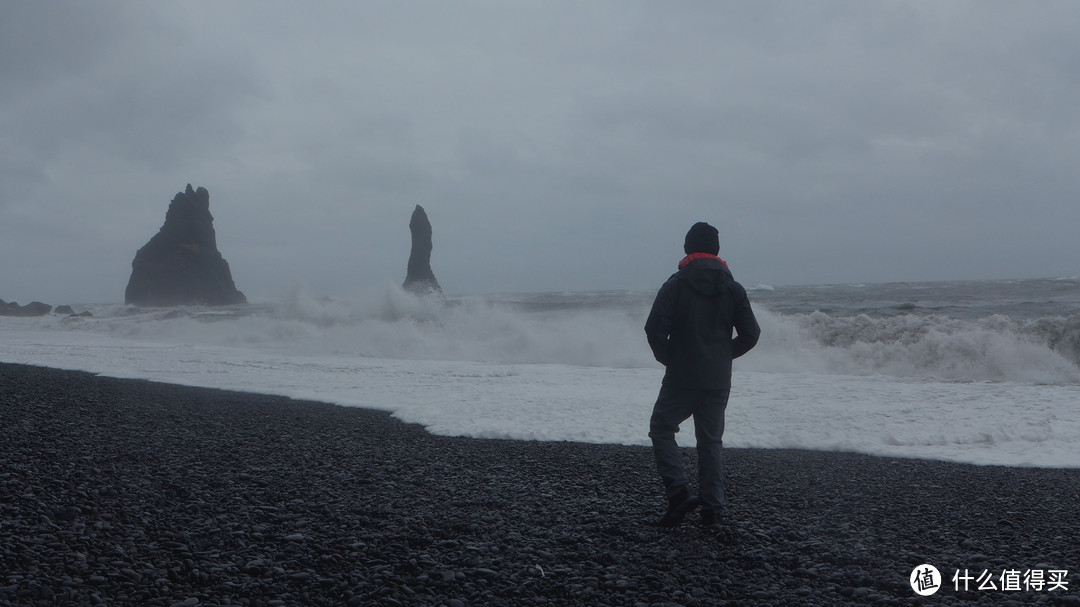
[{"x": 122, "y": 492}]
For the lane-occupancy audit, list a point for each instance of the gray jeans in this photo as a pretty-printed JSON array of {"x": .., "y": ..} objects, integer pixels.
[{"x": 673, "y": 407}]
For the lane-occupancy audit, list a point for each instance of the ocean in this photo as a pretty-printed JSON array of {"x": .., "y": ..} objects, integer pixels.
[{"x": 984, "y": 372}]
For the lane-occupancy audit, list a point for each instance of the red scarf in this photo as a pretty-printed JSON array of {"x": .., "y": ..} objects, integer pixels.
[{"x": 693, "y": 256}]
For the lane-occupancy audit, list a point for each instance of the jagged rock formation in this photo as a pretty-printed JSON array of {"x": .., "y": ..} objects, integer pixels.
[
  {"x": 181, "y": 264},
  {"x": 34, "y": 308},
  {"x": 420, "y": 279}
]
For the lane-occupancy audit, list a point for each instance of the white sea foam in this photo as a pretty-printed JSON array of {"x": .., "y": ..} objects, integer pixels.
[
  {"x": 390, "y": 323},
  {"x": 991, "y": 349},
  {"x": 574, "y": 367}
]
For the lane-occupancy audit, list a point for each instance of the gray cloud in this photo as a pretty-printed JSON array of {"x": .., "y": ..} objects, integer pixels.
[{"x": 555, "y": 145}]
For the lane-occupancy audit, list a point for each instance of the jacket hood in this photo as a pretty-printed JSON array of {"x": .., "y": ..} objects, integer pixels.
[{"x": 706, "y": 276}]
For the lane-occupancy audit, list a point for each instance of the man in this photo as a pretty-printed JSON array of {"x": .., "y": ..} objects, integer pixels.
[{"x": 690, "y": 330}]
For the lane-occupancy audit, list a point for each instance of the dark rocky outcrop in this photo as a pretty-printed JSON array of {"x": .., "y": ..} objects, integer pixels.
[
  {"x": 420, "y": 279},
  {"x": 34, "y": 308},
  {"x": 71, "y": 313},
  {"x": 181, "y": 264}
]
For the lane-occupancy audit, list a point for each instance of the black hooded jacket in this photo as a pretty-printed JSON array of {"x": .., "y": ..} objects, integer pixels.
[{"x": 692, "y": 325}]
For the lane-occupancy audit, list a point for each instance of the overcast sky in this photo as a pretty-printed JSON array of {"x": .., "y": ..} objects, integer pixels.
[{"x": 555, "y": 145}]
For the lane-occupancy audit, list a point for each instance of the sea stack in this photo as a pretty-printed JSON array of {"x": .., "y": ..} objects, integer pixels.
[
  {"x": 420, "y": 279},
  {"x": 181, "y": 265}
]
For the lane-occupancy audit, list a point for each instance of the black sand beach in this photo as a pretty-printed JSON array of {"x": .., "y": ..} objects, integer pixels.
[{"x": 119, "y": 492}]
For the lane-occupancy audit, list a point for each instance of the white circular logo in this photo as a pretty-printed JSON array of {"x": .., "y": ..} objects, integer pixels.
[{"x": 925, "y": 580}]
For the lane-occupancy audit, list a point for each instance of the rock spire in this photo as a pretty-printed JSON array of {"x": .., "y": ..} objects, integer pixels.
[{"x": 420, "y": 279}]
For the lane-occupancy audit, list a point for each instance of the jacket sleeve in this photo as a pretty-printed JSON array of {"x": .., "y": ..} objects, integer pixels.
[
  {"x": 746, "y": 325},
  {"x": 658, "y": 325}
]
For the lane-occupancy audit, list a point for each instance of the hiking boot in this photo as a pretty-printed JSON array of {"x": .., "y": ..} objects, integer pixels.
[
  {"x": 711, "y": 520},
  {"x": 712, "y": 523},
  {"x": 679, "y": 505}
]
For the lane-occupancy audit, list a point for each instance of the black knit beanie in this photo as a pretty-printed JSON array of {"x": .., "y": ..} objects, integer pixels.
[{"x": 702, "y": 238}]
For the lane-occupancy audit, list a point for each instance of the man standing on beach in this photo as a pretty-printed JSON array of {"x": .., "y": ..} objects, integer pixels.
[{"x": 700, "y": 321}]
